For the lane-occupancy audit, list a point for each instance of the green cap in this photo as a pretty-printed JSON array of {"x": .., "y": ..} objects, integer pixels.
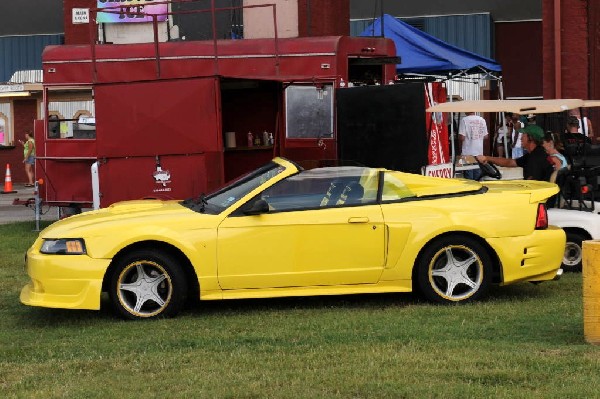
[{"x": 533, "y": 131}]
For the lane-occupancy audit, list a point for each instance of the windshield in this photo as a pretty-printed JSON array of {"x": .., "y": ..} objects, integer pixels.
[{"x": 230, "y": 194}]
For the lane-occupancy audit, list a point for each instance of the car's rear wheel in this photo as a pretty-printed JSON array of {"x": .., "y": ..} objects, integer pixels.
[
  {"x": 454, "y": 269},
  {"x": 147, "y": 284},
  {"x": 573, "y": 257}
]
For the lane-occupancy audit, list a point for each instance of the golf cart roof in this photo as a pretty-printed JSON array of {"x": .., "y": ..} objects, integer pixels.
[
  {"x": 591, "y": 103},
  {"x": 515, "y": 106}
]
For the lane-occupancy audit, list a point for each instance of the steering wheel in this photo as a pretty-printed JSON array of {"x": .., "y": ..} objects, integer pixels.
[{"x": 489, "y": 169}]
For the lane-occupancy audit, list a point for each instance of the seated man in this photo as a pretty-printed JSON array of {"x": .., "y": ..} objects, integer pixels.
[{"x": 534, "y": 163}]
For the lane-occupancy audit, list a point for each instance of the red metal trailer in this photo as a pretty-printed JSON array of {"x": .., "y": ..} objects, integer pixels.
[{"x": 173, "y": 119}]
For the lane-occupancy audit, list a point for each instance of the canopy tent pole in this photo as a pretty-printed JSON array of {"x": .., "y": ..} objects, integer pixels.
[
  {"x": 501, "y": 91},
  {"x": 452, "y": 147}
]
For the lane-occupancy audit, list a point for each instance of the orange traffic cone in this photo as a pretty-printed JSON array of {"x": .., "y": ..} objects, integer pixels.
[{"x": 8, "y": 188}]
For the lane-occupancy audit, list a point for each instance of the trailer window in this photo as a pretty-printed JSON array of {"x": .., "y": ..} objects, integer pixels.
[
  {"x": 71, "y": 115},
  {"x": 309, "y": 111}
]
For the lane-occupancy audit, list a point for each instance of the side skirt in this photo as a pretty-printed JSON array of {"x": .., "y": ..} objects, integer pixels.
[{"x": 381, "y": 287}]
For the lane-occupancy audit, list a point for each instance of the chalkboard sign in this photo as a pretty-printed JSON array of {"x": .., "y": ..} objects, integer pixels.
[{"x": 309, "y": 111}]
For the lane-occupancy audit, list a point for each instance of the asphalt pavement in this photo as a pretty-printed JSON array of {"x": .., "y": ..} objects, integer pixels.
[{"x": 10, "y": 213}]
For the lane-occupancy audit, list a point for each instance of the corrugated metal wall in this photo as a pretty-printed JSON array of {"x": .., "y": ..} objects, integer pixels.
[
  {"x": 23, "y": 52},
  {"x": 473, "y": 32},
  {"x": 470, "y": 32}
]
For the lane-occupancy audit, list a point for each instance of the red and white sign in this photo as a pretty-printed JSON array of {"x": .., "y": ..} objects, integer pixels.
[
  {"x": 441, "y": 170},
  {"x": 437, "y": 130}
]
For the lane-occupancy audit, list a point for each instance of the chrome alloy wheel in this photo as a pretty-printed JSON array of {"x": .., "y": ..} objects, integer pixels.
[
  {"x": 455, "y": 272},
  {"x": 144, "y": 288},
  {"x": 573, "y": 254}
]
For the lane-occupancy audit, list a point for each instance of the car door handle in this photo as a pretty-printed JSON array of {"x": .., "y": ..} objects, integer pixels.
[{"x": 358, "y": 220}]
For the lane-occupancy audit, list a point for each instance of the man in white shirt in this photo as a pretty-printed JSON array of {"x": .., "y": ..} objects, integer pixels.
[{"x": 471, "y": 132}]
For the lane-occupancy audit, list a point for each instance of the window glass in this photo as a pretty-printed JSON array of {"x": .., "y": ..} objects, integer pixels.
[
  {"x": 3, "y": 131},
  {"x": 393, "y": 188},
  {"x": 71, "y": 115},
  {"x": 6, "y": 138},
  {"x": 309, "y": 111},
  {"x": 322, "y": 187}
]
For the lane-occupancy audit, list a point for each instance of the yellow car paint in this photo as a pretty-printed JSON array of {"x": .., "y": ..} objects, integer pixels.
[{"x": 321, "y": 249}]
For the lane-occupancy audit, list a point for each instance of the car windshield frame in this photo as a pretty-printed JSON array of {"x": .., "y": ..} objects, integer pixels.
[{"x": 230, "y": 194}]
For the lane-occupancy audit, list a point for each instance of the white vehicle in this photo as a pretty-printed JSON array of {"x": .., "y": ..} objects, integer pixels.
[
  {"x": 580, "y": 219},
  {"x": 579, "y": 226}
]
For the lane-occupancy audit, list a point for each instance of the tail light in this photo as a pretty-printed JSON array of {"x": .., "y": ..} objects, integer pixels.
[{"x": 541, "y": 220}]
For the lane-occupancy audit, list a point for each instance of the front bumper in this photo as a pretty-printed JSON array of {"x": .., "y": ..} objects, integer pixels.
[{"x": 63, "y": 281}]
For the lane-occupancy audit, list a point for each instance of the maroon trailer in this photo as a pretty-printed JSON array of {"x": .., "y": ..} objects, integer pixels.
[{"x": 174, "y": 119}]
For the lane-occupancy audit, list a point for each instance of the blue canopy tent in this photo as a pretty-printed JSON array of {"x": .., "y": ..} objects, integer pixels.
[{"x": 422, "y": 53}]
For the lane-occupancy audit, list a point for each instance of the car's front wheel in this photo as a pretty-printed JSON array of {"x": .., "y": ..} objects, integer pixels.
[
  {"x": 147, "y": 284},
  {"x": 573, "y": 257},
  {"x": 454, "y": 269}
]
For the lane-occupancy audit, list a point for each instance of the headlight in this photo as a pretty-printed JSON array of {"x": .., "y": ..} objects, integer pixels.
[{"x": 63, "y": 246}]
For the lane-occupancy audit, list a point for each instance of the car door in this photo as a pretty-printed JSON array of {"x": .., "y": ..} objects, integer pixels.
[{"x": 329, "y": 246}]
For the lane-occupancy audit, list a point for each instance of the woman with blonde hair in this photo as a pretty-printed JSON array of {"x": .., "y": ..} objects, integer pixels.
[{"x": 28, "y": 157}]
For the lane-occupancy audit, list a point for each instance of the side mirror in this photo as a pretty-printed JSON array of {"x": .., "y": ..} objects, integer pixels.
[{"x": 259, "y": 207}]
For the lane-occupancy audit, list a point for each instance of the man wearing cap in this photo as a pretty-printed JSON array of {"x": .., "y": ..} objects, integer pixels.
[{"x": 535, "y": 163}]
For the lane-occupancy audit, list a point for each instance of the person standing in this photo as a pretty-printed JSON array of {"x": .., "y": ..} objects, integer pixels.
[
  {"x": 471, "y": 132},
  {"x": 515, "y": 136},
  {"x": 501, "y": 140},
  {"x": 583, "y": 126},
  {"x": 28, "y": 157}
]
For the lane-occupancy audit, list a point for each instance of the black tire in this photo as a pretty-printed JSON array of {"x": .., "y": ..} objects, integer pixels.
[
  {"x": 454, "y": 269},
  {"x": 573, "y": 256},
  {"x": 147, "y": 284}
]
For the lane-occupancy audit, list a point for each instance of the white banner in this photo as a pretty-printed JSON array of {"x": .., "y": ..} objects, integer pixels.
[{"x": 441, "y": 170}]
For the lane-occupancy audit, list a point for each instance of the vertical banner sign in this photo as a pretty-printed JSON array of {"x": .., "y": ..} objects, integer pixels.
[
  {"x": 437, "y": 130},
  {"x": 130, "y": 11}
]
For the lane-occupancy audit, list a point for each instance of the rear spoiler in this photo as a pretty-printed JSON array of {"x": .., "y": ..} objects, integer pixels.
[{"x": 538, "y": 190}]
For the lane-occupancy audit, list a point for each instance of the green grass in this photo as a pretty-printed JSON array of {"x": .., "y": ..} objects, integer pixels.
[{"x": 524, "y": 341}]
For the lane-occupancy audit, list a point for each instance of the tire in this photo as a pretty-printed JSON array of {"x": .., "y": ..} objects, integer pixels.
[
  {"x": 454, "y": 269},
  {"x": 147, "y": 284},
  {"x": 573, "y": 256}
]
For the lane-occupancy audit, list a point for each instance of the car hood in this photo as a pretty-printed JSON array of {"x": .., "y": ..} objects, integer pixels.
[{"x": 120, "y": 216}]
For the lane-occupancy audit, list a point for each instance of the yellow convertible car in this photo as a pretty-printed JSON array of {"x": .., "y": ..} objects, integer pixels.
[{"x": 284, "y": 231}]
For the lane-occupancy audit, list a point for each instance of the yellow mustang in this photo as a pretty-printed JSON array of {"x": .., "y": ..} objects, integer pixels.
[{"x": 284, "y": 231}]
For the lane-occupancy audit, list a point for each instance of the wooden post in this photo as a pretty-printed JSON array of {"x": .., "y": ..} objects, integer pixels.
[{"x": 591, "y": 291}]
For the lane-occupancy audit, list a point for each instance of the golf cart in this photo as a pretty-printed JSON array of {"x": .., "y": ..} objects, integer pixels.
[{"x": 575, "y": 210}]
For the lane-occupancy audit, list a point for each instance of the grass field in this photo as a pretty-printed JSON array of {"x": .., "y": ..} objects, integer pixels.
[{"x": 524, "y": 341}]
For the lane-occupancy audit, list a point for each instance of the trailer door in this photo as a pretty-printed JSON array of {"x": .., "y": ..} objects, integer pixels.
[{"x": 158, "y": 139}]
